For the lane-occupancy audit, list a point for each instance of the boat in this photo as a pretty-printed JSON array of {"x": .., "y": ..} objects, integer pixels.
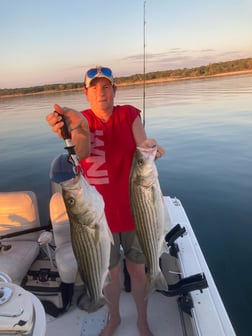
[{"x": 38, "y": 266}]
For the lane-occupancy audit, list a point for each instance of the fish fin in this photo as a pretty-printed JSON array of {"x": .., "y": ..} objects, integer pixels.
[
  {"x": 158, "y": 283},
  {"x": 97, "y": 235},
  {"x": 167, "y": 219},
  {"x": 110, "y": 236},
  {"x": 106, "y": 280}
]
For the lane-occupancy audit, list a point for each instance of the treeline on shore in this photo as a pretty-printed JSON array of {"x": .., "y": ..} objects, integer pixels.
[{"x": 202, "y": 71}]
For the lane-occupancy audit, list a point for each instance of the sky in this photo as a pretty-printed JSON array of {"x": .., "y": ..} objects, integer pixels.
[{"x": 56, "y": 41}]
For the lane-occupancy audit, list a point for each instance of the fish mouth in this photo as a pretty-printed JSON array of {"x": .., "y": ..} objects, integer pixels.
[
  {"x": 147, "y": 149},
  {"x": 147, "y": 145},
  {"x": 72, "y": 181}
]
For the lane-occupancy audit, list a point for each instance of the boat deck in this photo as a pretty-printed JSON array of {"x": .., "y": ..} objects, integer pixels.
[{"x": 163, "y": 316}]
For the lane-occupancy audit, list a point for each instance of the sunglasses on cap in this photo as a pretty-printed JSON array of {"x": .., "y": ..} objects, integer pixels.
[{"x": 98, "y": 72}]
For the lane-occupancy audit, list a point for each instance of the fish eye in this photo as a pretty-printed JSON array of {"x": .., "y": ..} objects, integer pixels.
[
  {"x": 71, "y": 201},
  {"x": 140, "y": 162}
]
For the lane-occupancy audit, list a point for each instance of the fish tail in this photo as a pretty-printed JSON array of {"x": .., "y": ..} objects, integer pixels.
[
  {"x": 157, "y": 283},
  {"x": 84, "y": 303},
  {"x": 97, "y": 305},
  {"x": 160, "y": 282}
]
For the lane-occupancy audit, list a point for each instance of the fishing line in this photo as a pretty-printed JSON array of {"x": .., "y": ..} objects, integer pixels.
[{"x": 144, "y": 70}]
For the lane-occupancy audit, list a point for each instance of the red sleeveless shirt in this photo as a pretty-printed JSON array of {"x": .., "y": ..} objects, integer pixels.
[{"x": 109, "y": 164}]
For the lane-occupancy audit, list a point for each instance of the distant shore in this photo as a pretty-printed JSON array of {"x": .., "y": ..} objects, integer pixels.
[
  {"x": 172, "y": 79},
  {"x": 137, "y": 83}
]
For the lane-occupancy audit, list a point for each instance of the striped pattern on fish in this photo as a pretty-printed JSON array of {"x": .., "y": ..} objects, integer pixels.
[
  {"x": 149, "y": 211},
  {"x": 91, "y": 238}
]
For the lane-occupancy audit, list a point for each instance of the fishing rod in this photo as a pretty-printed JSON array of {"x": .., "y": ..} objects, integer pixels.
[
  {"x": 144, "y": 70},
  {"x": 72, "y": 156},
  {"x": 22, "y": 232}
]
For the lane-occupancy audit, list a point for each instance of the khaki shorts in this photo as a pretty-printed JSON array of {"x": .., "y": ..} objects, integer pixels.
[{"x": 131, "y": 248}]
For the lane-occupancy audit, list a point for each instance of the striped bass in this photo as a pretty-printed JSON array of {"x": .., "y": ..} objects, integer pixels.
[
  {"x": 149, "y": 211},
  {"x": 91, "y": 238}
]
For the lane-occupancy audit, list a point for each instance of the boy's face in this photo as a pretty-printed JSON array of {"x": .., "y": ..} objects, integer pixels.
[{"x": 100, "y": 95}]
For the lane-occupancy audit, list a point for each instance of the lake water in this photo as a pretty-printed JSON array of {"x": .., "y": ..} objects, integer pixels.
[{"x": 205, "y": 126}]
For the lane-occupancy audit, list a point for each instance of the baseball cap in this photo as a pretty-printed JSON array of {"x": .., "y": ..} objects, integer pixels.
[{"x": 98, "y": 72}]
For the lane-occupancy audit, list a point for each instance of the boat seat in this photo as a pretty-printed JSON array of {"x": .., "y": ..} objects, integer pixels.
[
  {"x": 64, "y": 255},
  {"x": 18, "y": 211}
]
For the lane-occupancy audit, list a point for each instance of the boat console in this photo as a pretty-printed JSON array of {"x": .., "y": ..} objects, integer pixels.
[{"x": 20, "y": 311}]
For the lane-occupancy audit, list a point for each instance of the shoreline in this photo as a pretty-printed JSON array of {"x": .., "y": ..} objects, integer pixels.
[
  {"x": 137, "y": 83},
  {"x": 174, "y": 79}
]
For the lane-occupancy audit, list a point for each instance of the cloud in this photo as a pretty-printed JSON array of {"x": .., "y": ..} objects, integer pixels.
[{"x": 181, "y": 58}]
